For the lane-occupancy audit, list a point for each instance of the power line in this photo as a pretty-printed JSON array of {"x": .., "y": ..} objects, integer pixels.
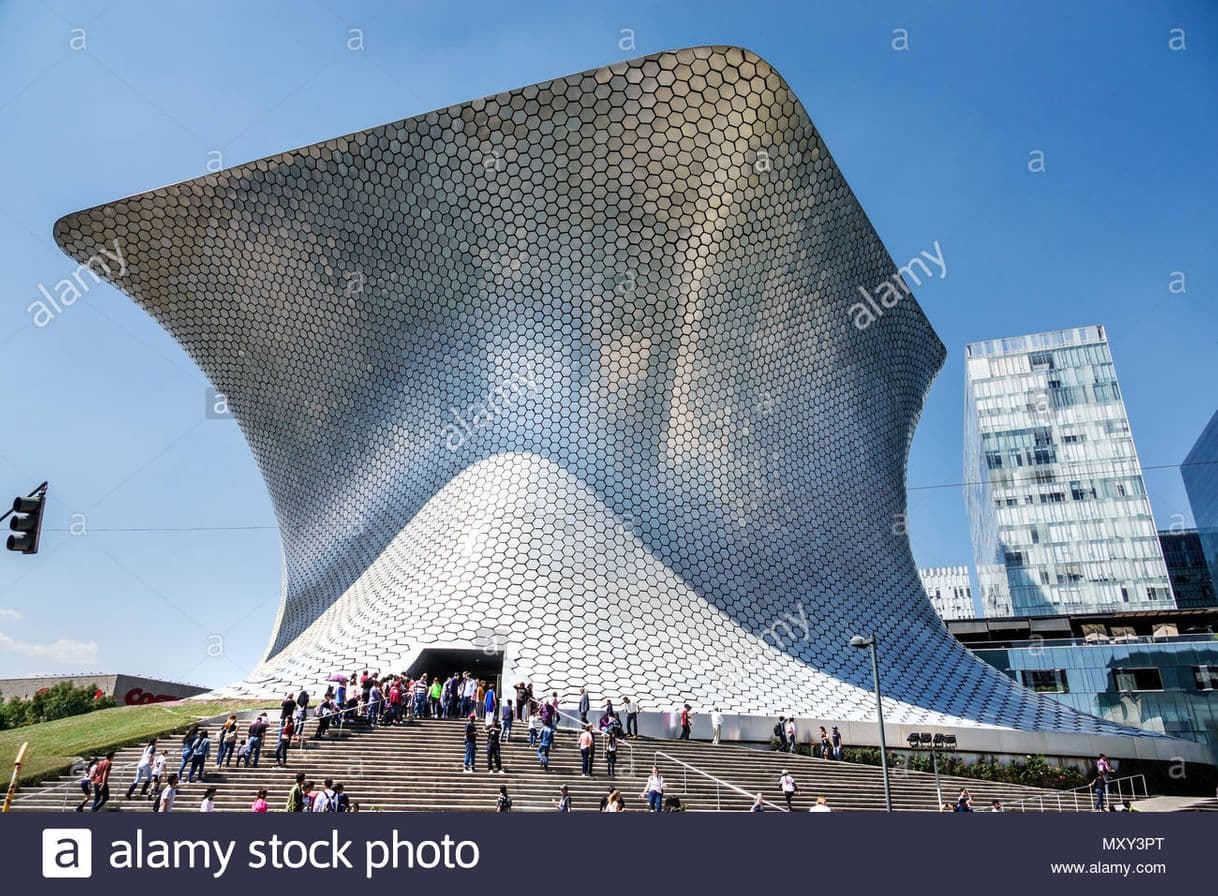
[{"x": 158, "y": 529}]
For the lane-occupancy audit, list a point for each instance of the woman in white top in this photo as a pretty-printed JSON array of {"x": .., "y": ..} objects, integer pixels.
[
  {"x": 654, "y": 792},
  {"x": 165, "y": 803},
  {"x": 209, "y": 801}
]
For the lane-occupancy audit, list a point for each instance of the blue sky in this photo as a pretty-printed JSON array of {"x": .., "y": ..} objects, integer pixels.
[{"x": 935, "y": 141}]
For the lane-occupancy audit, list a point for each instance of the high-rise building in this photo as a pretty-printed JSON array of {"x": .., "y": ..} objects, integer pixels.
[
  {"x": 1058, "y": 511},
  {"x": 1191, "y": 582},
  {"x": 1200, "y": 473},
  {"x": 949, "y": 591}
]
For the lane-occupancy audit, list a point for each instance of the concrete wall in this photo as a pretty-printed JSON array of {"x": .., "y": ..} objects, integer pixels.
[{"x": 128, "y": 690}]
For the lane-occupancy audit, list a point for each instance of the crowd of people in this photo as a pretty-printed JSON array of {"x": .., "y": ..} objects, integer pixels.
[{"x": 371, "y": 701}]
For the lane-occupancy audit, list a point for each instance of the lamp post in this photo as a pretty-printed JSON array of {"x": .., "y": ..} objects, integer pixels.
[{"x": 860, "y": 642}]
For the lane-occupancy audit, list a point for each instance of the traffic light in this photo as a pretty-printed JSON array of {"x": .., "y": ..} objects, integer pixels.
[{"x": 26, "y": 521}]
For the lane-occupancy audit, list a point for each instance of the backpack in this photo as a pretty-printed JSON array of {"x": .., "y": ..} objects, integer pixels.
[{"x": 778, "y": 729}]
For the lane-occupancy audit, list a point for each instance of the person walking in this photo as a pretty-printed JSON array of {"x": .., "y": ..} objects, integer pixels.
[
  {"x": 228, "y": 743},
  {"x": 788, "y": 787},
  {"x": 654, "y": 791},
  {"x": 230, "y": 724},
  {"x": 632, "y": 717},
  {"x": 198, "y": 758},
  {"x": 836, "y": 739},
  {"x": 585, "y": 703},
  {"x": 534, "y": 727},
  {"x": 101, "y": 781},
  {"x": 494, "y": 762},
  {"x": 585, "y": 752},
  {"x": 164, "y": 802},
  {"x": 471, "y": 743},
  {"x": 545, "y": 738},
  {"x": 253, "y": 743},
  {"x": 563, "y": 803},
  {"x": 611, "y": 753},
  {"x": 143, "y": 771},
  {"x": 826, "y": 748},
  {"x": 716, "y": 725},
  {"x": 86, "y": 783},
  {"x": 188, "y": 749},
  {"x": 158, "y": 772},
  {"x": 687, "y": 722},
  {"x": 792, "y": 733},
  {"x": 508, "y": 714},
  {"x": 503, "y": 803},
  {"x": 285, "y": 742}
]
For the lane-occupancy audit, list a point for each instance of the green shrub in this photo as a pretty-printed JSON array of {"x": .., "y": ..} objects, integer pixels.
[
  {"x": 57, "y": 702},
  {"x": 1035, "y": 772}
]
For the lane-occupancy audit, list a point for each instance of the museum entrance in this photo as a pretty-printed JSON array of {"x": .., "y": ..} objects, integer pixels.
[{"x": 443, "y": 661}]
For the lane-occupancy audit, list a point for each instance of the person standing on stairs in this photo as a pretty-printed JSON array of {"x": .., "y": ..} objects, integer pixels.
[
  {"x": 687, "y": 722},
  {"x": 471, "y": 743},
  {"x": 585, "y": 703},
  {"x": 508, "y": 714},
  {"x": 494, "y": 760},
  {"x": 716, "y": 720},
  {"x": 585, "y": 752}
]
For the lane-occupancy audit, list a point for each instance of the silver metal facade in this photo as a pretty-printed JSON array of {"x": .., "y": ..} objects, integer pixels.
[{"x": 572, "y": 371}]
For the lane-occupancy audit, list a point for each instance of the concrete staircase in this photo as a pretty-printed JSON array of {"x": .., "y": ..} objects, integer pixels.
[{"x": 417, "y": 767}]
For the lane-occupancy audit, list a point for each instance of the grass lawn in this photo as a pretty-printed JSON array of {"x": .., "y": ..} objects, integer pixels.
[{"x": 54, "y": 745}]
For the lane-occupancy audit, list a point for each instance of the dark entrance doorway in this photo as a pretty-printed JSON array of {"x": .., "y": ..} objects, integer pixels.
[{"x": 442, "y": 662}]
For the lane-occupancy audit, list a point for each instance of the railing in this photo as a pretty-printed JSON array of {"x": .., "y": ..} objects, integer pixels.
[
  {"x": 579, "y": 725},
  {"x": 686, "y": 768},
  {"x": 1107, "y": 640},
  {"x": 1082, "y": 799}
]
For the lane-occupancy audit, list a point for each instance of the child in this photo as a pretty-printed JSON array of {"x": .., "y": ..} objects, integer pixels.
[
  {"x": 259, "y": 804},
  {"x": 243, "y": 753},
  {"x": 86, "y": 784},
  {"x": 534, "y": 727},
  {"x": 209, "y": 801},
  {"x": 504, "y": 802}
]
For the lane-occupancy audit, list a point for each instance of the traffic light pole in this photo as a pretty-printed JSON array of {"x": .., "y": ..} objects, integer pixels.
[{"x": 26, "y": 521}]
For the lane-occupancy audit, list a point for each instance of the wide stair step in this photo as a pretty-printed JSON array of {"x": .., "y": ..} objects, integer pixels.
[{"x": 416, "y": 766}]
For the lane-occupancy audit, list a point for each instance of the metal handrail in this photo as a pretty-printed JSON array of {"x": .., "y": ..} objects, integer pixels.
[
  {"x": 719, "y": 782},
  {"x": 579, "y": 724},
  {"x": 1038, "y": 803}
]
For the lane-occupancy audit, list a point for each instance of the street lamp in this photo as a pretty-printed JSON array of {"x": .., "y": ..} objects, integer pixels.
[{"x": 860, "y": 642}]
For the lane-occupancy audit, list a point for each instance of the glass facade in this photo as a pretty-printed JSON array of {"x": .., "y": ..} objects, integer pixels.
[
  {"x": 1191, "y": 582},
  {"x": 1200, "y": 473},
  {"x": 949, "y": 591},
  {"x": 1059, "y": 516},
  {"x": 1166, "y": 686}
]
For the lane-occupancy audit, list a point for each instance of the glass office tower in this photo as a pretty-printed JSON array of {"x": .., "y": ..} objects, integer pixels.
[
  {"x": 1200, "y": 474},
  {"x": 1058, "y": 511}
]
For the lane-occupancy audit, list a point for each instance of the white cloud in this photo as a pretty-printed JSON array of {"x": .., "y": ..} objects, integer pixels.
[
  {"x": 10, "y": 615},
  {"x": 66, "y": 651}
]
